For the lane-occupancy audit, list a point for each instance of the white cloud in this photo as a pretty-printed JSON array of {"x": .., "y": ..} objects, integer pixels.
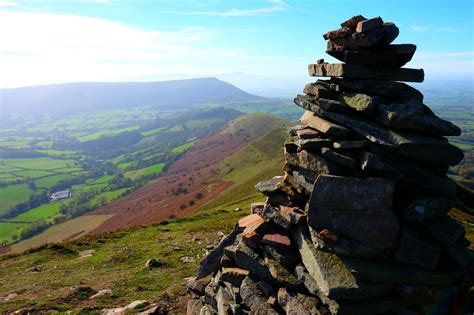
[
  {"x": 274, "y": 7},
  {"x": 11, "y": 4},
  {"x": 418, "y": 28}
]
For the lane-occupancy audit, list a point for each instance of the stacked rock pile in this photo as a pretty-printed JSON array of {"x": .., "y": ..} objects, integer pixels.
[{"x": 359, "y": 222}]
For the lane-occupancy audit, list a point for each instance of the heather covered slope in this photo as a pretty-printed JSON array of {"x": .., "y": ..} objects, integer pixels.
[{"x": 118, "y": 262}]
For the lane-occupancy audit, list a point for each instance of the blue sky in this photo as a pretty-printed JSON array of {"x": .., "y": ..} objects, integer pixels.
[{"x": 116, "y": 40}]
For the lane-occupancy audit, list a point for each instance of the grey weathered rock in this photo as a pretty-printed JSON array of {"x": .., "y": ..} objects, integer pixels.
[
  {"x": 298, "y": 304},
  {"x": 223, "y": 299},
  {"x": 337, "y": 157},
  {"x": 286, "y": 257},
  {"x": 280, "y": 274},
  {"x": 196, "y": 285},
  {"x": 364, "y": 72},
  {"x": 425, "y": 207},
  {"x": 368, "y": 25},
  {"x": 314, "y": 144},
  {"x": 312, "y": 162},
  {"x": 353, "y": 21},
  {"x": 360, "y": 102},
  {"x": 267, "y": 187},
  {"x": 444, "y": 229},
  {"x": 333, "y": 278},
  {"x": 210, "y": 263},
  {"x": 194, "y": 307},
  {"x": 414, "y": 116},
  {"x": 346, "y": 247},
  {"x": 338, "y": 33},
  {"x": 320, "y": 90},
  {"x": 355, "y": 208},
  {"x": 423, "y": 148},
  {"x": 235, "y": 276},
  {"x": 273, "y": 214},
  {"x": 427, "y": 181},
  {"x": 246, "y": 258},
  {"x": 381, "y": 36},
  {"x": 392, "y": 56},
  {"x": 300, "y": 179},
  {"x": 323, "y": 125},
  {"x": 391, "y": 271},
  {"x": 417, "y": 249},
  {"x": 349, "y": 144},
  {"x": 387, "y": 89},
  {"x": 254, "y": 298},
  {"x": 307, "y": 134}
]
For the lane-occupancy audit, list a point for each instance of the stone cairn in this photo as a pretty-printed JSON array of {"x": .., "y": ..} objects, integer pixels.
[{"x": 358, "y": 224}]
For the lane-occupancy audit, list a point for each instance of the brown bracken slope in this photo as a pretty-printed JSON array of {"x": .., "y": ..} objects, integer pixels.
[{"x": 197, "y": 172}]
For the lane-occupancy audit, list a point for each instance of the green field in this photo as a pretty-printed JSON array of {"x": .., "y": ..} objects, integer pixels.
[
  {"x": 107, "y": 196},
  {"x": 45, "y": 211},
  {"x": 154, "y": 169},
  {"x": 33, "y": 173},
  {"x": 48, "y": 182},
  {"x": 8, "y": 229},
  {"x": 152, "y": 132},
  {"x": 39, "y": 163},
  {"x": 12, "y": 195},
  {"x": 183, "y": 147}
]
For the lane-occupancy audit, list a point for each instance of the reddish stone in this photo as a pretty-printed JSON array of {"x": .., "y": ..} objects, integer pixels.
[
  {"x": 276, "y": 238},
  {"x": 352, "y": 22},
  {"x": 292, "y": 214},
  {"x": 253, "y": 219},
  {"x": 328, "y": 237},
  {"x": 337, "y": 33},
  {"x": 367, "y": 25}
]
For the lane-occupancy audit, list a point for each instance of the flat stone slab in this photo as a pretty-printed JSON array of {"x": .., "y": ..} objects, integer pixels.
[
  {"x": 210, "y": 263},
  {"x": 394, "y": 56},
  {"x": 314, "y": 144},
  {"x": 391, "y": 271},
  {"x": 254, "y": 298},
  {"x": 312, "y": 162},
  {"x": 320, "y": 90},
  {"x": 405, "y": 173},
  {"x": 307, "y": 134},
  {"x": 355, "y": 208},
  {"x": 368, "y": 25},
  {"x": 426, "y": 207},
  {"x": 387, "y": 89},
  {"x": 337, "y": 157},
  {"x": 417, "y": 249},
  {"x": 423, "y": 148},
  {"x": 269, "y": 186},
  {"x": 349, "y": 144},
  {"x": 333, "y": 279},
  {"x": 364, "y": 72},
  {"x": 323, "y": 125}
]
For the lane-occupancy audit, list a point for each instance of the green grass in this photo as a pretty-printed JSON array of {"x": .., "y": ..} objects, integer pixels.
[
  {"x": 183, "y": 147},
  {"x": 39, "y": 163},
  {"x": 154, "y": 169},
  {"x": 48, "y": 182},
  {"x": 107, "y": 196},
  {"x": 202, "y": 123},
  {"x": 12, "y": 195},
  {"x": 152, "y": 132},
  {"x": 54, "y": 153},
  {"x": 8, "y": 229},
  {"x": 105, "y": 133},
  {"x": 462, "y": 145},
  {"x": 33, "y": 173},
  {"x": 45, "y": 211},
  {"x": 125, "y": 165}
]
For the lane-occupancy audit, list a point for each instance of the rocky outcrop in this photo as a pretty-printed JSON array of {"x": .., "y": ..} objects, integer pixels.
[{"x": 358, "y": 222}]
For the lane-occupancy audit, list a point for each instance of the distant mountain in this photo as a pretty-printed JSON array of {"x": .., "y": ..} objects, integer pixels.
[{"x": 74, "y": 97}]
